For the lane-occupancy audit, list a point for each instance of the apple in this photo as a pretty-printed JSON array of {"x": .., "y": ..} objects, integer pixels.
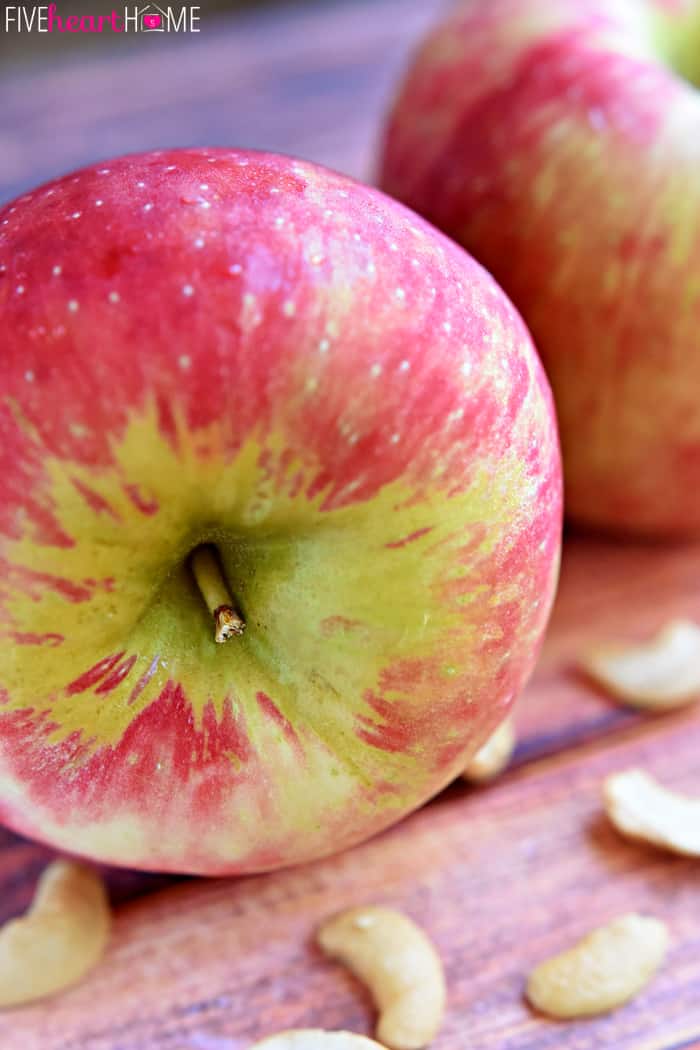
[
  {"x": 559, "y": 143},
  {"x": 241, "y": 395}
]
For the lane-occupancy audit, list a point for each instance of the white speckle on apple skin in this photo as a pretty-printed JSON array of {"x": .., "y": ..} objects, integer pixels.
[
  {"x": 375, "y": 370},
  {"x": 404, "y": 366},
  {"x": 199, "y": 243},
  {"x": 73, "y": 306},
  {"x": 99, "y": 203},
  {"x": 184, "y": 362},
  {"x": 400, "y": 294},
  {"x": 235, "y": 269},
  {"x": 148, "y": 207},
  {"x": 289, "y": 309},
  {"x": 141, "y": 185},
  {"x": 324, "y": 346},
  {"x": 447, "y": 327},
  {"x": 29, "y": 376},
  {"x": 20, "y": 289},
  {"x": 279, "y": 221},
  {"x": 395, "y": 438},
  {"x": 76, "y": 215},
  {"x": 187, "y": 291},
  {"x": 114, "y": 297}
]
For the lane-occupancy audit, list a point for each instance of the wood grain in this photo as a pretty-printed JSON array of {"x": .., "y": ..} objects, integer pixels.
[{"x": 500, "y": 876}]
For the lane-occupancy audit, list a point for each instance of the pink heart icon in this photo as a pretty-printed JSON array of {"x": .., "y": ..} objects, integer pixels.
[{"x": 151, "y": 21}]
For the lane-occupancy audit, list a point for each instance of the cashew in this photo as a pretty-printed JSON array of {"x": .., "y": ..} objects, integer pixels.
[
  {"x": 398, "y": 963},
  {"x": 62, "y": 936},
  {"x": 641, "y": 808},
  {"x": 658, "y": 675},
  {"x": 493, "y": 757},
  {"x": 602, "y": 971},
  {"x": 316, "y": 1039}
]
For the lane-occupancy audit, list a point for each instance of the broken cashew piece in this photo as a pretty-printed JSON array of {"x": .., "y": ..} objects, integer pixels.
[
  {"x": 641, "y": 808},
  {"x": 658, "y": 675},
  {"x": 316, "y": 1039},
  {"x": 493, "y": 757},
  {"x": 602, "y": 971},
  {"x": 62, "y": 936},
  {"x": 394, "y": 958}
]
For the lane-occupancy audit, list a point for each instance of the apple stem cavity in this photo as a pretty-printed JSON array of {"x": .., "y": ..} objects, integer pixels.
[{"x": 208, "y": 573}]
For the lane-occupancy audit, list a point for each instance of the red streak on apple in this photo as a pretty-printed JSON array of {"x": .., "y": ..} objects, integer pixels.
[
  {"x": 141, "y": 502},
  {"x": 93, "y": 499},
  {"x": 34, "y": 583},
  {"x": 32, "y": 638},
  {"x": 410, "y": 538},
  {"x": 271, "y": 711},
  {"x": 93, "y": 674}
]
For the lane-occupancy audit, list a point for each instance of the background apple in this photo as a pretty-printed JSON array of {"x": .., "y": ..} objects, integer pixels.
[
  {"x": 248, "y": 357},
  {"x": 560, "y": 143}
]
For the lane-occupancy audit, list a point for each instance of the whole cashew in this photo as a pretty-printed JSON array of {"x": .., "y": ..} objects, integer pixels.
[
  {"x": 658, "y": 675},
  {"x": 493, "y": 756},
  {"x": 603, "y": 970},
  {"x": 400, "y": 966},
  {"x": 643, "y": 809},
  {"x": 61, "y": 937},
  {"x": 316, "y": 1039}
]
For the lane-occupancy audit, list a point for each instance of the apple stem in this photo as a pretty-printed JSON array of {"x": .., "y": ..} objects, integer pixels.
[{"x": 210, "y": 579}]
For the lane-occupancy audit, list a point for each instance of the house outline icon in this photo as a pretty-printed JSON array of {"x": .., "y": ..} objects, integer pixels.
[{"x": 153, "y": 9}]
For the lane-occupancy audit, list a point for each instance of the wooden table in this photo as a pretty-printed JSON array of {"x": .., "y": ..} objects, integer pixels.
[{"x": 500, "y": 876}]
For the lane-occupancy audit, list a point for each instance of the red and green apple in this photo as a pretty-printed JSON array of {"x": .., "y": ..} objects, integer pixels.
[
  {"x": 241, "y": 395},
  {"x": 559, "y": 143}
]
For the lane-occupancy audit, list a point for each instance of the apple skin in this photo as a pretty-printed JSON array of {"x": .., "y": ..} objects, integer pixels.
[
  {"x": 244, "y": 349},
  {"x": 555, "y": 142}
]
